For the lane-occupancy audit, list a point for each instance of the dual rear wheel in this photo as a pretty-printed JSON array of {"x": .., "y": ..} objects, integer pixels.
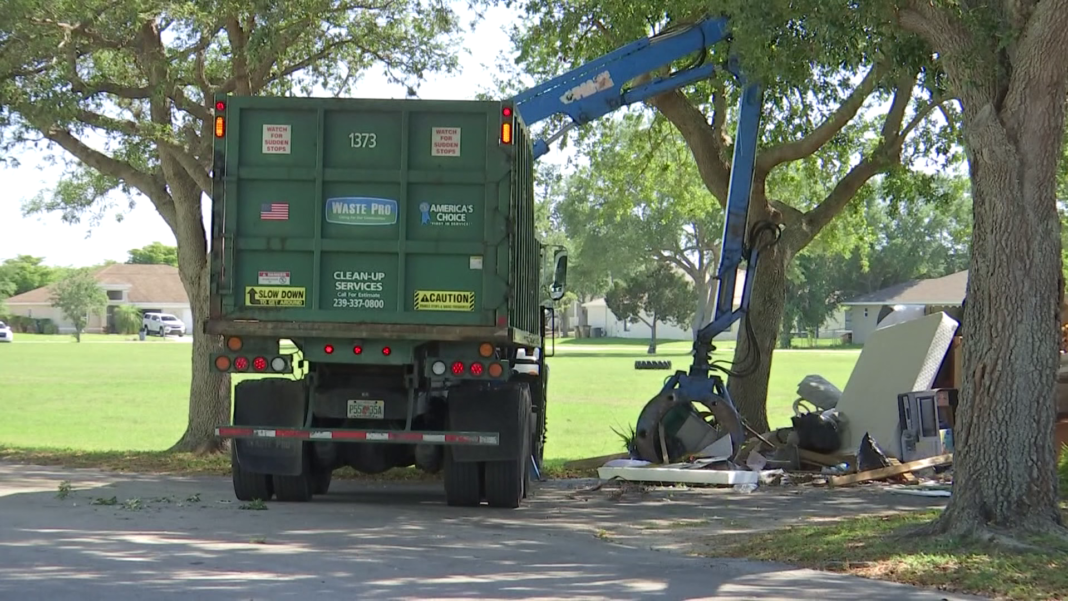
[
  {"x": 501, "y": 483},
  {"x": 249, "y": 486}
]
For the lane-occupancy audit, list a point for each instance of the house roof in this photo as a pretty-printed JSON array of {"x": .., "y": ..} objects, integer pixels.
[
  {"x": 143, "y": 284},
  {"x": 946, "y": 290}
]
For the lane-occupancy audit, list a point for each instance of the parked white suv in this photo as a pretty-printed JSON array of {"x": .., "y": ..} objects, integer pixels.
[
  {"x": 163, "y": 324},
  {"x": 5, "y": 333}
]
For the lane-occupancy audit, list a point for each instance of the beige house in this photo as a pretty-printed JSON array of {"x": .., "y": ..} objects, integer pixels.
[
  {"x": 922, "y": 297},
  {"x": 147, "y": 287}
]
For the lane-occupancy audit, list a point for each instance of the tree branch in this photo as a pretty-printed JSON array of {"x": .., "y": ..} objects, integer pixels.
[
  {"x": 952, "y": 40},
  {"x": 1043, "y": 42},
  {"x": 886, "y": 154},
  {"x": 148, "y": 185},
  {"x": 808, "y": 145},
  {"x": 706, "y": 147}
]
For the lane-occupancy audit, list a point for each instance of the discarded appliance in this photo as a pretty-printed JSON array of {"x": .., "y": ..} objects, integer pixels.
[
  {"x": 906, "y": 356},
  {"x": 926, "y": 419}
]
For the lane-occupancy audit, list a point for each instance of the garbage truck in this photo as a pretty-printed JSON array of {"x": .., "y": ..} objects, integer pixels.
[{"x": 375, "y": 277}]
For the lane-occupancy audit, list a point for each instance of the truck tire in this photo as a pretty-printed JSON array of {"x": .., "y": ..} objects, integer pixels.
[
  {"x": 247, "y": 485},
  {"x": 651, "y": 364},
  {"x": 507, "y": 480},
  {"x": 463, "y": 482}
]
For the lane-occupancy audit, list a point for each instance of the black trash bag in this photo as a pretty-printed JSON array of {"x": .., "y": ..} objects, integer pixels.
[
  {"x": 817, "y": 433},
  {"x": 870, "y": 456}
]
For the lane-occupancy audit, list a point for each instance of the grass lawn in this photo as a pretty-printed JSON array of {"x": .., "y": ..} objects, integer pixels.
[
  {"x": 133, "y": 397},
  {"x": 867, "y": 547}
]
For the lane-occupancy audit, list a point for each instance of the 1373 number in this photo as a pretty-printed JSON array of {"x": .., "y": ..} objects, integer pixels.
[{"x": 363, "y": 140}]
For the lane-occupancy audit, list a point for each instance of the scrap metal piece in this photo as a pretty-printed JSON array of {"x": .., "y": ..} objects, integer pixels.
[{"x": 685, "y": 430}]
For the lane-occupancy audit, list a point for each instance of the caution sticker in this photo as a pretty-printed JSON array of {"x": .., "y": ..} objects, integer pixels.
[
  {"x": 444, "y": 300},
  {"x": 274, "y": 296}
]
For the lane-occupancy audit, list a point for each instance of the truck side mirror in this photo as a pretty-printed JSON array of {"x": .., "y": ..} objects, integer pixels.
[{"x": 556, "y": 291}]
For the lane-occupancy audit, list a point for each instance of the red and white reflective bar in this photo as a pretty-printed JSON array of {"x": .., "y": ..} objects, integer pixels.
[{"x": 344, "y": 435}]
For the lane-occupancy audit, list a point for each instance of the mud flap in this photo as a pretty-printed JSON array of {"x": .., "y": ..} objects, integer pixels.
[
  {"x": 270, "y": 402},
  {"x": 504, "y": 409}
]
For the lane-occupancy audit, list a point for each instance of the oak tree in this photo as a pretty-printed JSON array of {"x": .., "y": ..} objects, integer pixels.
[
  {"x": 125, "y": 90},
  {"x": 1007, "y": 63},
  {"x": 847, "y": 98}
]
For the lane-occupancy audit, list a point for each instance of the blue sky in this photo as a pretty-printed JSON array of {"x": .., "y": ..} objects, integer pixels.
[{"x": 61, "y": 244}]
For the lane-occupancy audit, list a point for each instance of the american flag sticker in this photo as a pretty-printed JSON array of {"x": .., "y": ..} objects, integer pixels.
[{"x": 274, "y": 211}]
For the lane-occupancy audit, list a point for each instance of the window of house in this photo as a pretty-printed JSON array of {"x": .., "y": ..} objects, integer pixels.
[{"x": 115, "y": 295}]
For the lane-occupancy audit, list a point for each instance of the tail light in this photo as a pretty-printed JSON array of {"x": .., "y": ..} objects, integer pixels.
[
  {"x": 259, "y": 364},
  {"x": 329, "y": 349},
  {"x": 457, "y": 368},
  {"x": 241, "y": 363},
  {"x": 506, "y": 125},
  {"x": 222, "y": 363},
  {"x": 357, "y": 350},
  {"x": 495, "y": 370},
  {"x": 477, "y": 369},
  {"x": 387, "y": 351}
]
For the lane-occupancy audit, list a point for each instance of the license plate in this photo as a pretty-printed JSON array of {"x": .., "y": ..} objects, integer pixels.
[{"x": 367, "y": 409}]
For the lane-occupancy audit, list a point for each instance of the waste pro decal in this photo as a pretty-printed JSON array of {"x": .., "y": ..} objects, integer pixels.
[
  {"x": 274, "y": 296},
  {"x": 444, "y": 300},
  {"x": 361, "y": 210}
]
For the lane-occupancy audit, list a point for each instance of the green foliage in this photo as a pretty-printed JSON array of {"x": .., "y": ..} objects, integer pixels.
[
  {"x": 154, "y": 254},
  {"x": 128, "y": 319},
  {"x": 142, "y": 75},
  {"x": 655, "y": 293},
  {"x": 813, "y": 292},
  {"x": 24, "y": 273},
  {"x": 639, "y": 198},
  {"x": 809, "y": 56},
  {"x": 78, "y": 295}
]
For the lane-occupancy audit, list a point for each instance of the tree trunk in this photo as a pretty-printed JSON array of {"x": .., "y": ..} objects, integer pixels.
[
  {"x": 766, "y": 306},
  {"x": 209, "y": 389},
  {"x": 652, "y": 338},
  {"x": 1004, "y": 468}
]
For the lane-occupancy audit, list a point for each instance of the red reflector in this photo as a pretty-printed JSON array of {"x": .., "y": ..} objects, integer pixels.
[
  {"x": 507, "y": 111},
  {"x": 476, "y": 369},
  {"x": 457, "y": 368},
  {"x": 241, "y": 363},
  {"x": 386, "y": 351},
  {"x": 220, "y": 106},
  {"x": 357, "y": 350},
  {"x": 259, "y": 364},
  {"x": 329, "y": 349}
]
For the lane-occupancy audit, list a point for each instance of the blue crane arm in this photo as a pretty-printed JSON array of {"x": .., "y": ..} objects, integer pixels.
[{"x": 596, "y": 88}]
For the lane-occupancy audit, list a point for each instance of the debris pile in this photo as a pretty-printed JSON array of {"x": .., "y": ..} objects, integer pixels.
[{"x": 892, "y": 422}]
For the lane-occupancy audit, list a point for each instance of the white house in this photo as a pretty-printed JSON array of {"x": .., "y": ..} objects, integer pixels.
[
  {"x": 925, "y": 296},
  {"x": 147, "y": 287}
]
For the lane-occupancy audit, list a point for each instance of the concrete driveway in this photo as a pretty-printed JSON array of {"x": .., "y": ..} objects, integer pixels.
[{"x": 189, "y": 539}]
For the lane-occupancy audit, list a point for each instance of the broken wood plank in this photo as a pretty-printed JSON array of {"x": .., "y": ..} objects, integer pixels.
[
  {"x": 593, "y": 462},
  {"x": 893, "y": 470},
  {"x": 907, "y": 476}
]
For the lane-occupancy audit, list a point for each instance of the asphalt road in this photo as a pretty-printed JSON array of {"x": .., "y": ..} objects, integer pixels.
[{"x": 188, "y": 539}]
